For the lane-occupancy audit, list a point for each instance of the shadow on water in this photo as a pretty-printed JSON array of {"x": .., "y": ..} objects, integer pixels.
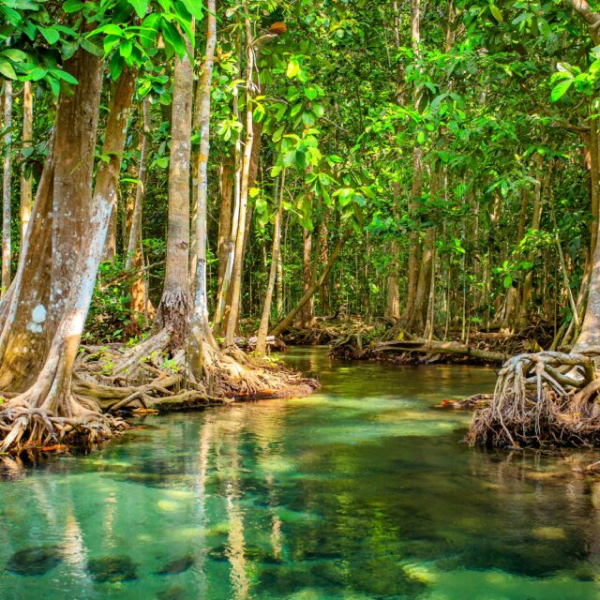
[{"x": 361, "y": 491}]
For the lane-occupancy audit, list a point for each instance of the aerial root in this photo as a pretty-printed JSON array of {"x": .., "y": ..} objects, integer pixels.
[{"x": 541, "y": 399}]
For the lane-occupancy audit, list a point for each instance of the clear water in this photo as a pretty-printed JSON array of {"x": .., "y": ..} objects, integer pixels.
[{"x": 359, "y": 492}]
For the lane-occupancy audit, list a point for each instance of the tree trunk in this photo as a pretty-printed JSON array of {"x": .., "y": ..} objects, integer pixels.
[
  {"x": 26, "y": 180},
  {"x": 174, "y": 308},
  {"x": 236, "y": 278},
  {"x": 200, "y": 328},
  {"x": 536, "y": 218},
  {"x": 421, "y": 302},
  {"x": 307, "y": 314},
  {"x": 107, "y": 179},
  {"x": 417, "y": 178},
  {"x": 261, "y": 339},
  {"x": 594, "y": 182},
  {"x": 225, "y": 217},
  {"x": 134, "y": 258},
  {"x": 324, "y": 292},
  {"x": 6, "y": 188},
  {"x": 47, "y": 305}
]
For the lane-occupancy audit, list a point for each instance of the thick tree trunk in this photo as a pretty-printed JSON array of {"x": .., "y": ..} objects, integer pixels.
[
  {"x": 46, "y": 308},
  {"x": 75, "y": 148},
  {"x": 26, "y": 180},
  {"x": 392, "y": 304},
  {"x": 7, "y": 188},
  {"x": 175, "y": 304},
  {"x": 421, "y": 302}
]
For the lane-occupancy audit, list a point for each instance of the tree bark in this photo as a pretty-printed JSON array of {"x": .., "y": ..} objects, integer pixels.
[
  {"x": 200, "y": 328},
  {"x": 7, "y": 188},
  {"x": 417, "y": 178},
  {"x": 107, "y": 179},
  {"x": 134, "y": 257},
  {"x": 26, "y": 180},
  {"x": 47, "y": 305},
  {"x": 236, "y": 278},
  {"x": 225, "y": 217},
  {"x": 175, "y": 303},
  {"x": 261, "y": 338}
]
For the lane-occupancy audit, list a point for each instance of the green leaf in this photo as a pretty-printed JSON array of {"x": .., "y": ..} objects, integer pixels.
[
  {"x": 278, "y": 134},
  {"x": 71, "y": 6},
  {"x": 116, "y": 66},
  {"x": 308, "y": 119},
  {"x": 293, "y": 68},
  {"x": 173, "y": 37},
  {"x": 54, "y": 85},
  {"x": 507, "y": 281},
  {"x": 561, "y": 89},
  {"x": 50, "y": 34},
  {"x": 497, "y": 13},
  {"x": 60, "y": 74},
  {"x": 7, "y": 70},
  {"x": 195, "y": 8},
  {"x": 140, "y": 7},
  {"x": 125, "y": 48},
  {"x": 90, "y": 47},
  {"x": 311, "y": 93},
  {"x": 318, "y": 110},
  {"x": 37, "y": 74},
  {"x": 15, "y": 55}
]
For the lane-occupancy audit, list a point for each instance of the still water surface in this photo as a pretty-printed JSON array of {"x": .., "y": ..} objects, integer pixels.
[{"x": 361, "y": 491}]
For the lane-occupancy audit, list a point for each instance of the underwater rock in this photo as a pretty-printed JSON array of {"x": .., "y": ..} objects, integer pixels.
[
  {"x": 34, "y": 561},
  {"x": 252, "y": 553},
  {"x": 284, "y": 580},
  {"x": 112, "y": 569},
  {"x": 179, "y": 565},
  {"x": 384, "y": 578},
  {"x": 219, "y": 553},
  {"x": 330, "y": 574},
  {"x": 174, "y": 592}
]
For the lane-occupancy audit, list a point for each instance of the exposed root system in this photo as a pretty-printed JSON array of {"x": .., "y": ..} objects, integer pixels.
[
  {"x": 113, "y": 381},
  {"x": 548, "y": 398},
  {"x": 25, "y": 425}
]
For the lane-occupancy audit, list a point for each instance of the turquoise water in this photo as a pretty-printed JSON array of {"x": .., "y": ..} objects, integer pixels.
[{"x": 361, "y": 491}]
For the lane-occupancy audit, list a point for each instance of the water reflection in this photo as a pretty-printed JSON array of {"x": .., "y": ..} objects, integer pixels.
[{"x": 360, "y": 492}]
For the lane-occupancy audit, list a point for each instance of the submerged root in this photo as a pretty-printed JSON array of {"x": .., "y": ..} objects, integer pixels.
[{"x": 548, "y": 398}]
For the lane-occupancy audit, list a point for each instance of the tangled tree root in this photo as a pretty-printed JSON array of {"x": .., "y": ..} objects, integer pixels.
[
  {"x": 548, "y": 398},
  {"x": 25, "y": 426},
  {"x": 152, "y": 376}
]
